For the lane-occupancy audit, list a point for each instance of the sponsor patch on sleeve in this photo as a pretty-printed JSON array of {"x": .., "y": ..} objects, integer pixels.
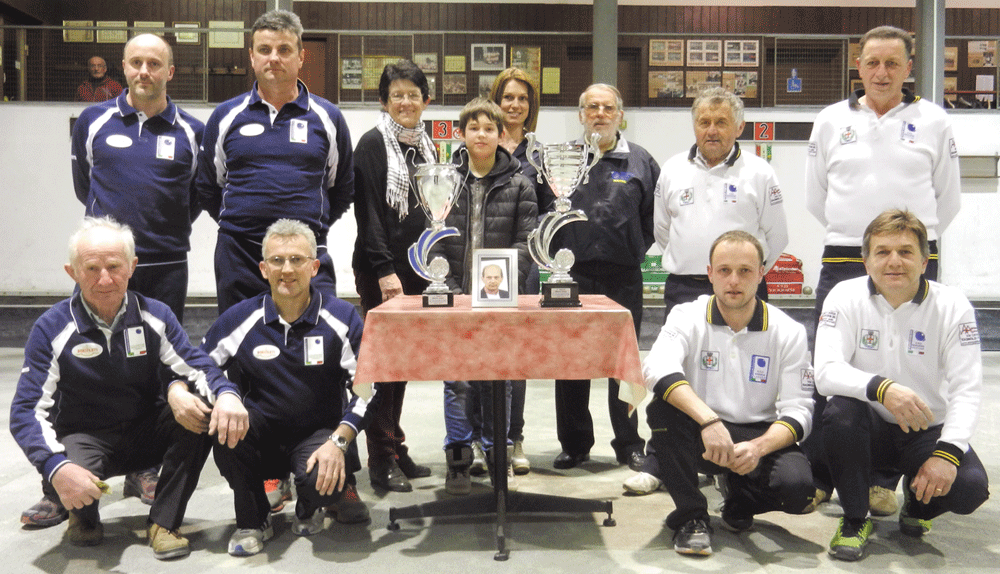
[
  {"x": 808, "y": 379},
  {"x": 953, "y": 150},
  {"x": 774, "y": 194},
  {"x": 968, "y": 334},
  {"x": 813, "y": 149},
  {"x": 828, "y": 318}
]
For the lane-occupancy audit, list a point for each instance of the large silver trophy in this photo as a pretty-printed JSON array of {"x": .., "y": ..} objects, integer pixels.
[
  {"x": 438, "y": 186},
  {"x": 565, "y": 167}
]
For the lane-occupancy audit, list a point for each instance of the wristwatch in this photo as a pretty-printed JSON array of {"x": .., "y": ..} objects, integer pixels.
[{"x": 340, "y": 441}]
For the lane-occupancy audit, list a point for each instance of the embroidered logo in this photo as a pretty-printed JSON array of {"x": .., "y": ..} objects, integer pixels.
[
  {"x": 774, "y": 194},
  {"x": 709, "y": 361},
  {"x": 808, "y": 379},
  {"x": 621, "y": 176},
  {"x": 953, "y": 150},
  {"x": 848, "y": 136},
  {"x": 968, "y": 334},
  {"x": 759, "y": 365},
  {"x": 869, "y": 339},
  {"x": 687, "y": 196},
  {"x": 917, "y": 343},
  {"x": 828, "y": 318},
  {"x": 813, "y": 149}
]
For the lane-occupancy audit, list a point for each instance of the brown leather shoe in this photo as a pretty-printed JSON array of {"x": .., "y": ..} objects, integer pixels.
[
  {"x": 81, "y": 533},
  {"x": 167, "y": 543}
]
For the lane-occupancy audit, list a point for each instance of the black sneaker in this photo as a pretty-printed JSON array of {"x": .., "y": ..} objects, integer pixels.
[
  {"x": 695, "y": 537},
  {"x": 734, "y": 519}
]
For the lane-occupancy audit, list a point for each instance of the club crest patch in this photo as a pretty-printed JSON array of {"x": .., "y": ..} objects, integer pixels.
[
  {"x": 709, "y": 361},
  {"x": 774, "y": 194},
  {"x": 759, "y": 367},
  {"x": 808, "y": 379},
  {"x": 687, "y": 196},
  {"x": 848, "y": 136},
  {"x": 917, "y": 343},
  {"x": 869, "y": 339}
]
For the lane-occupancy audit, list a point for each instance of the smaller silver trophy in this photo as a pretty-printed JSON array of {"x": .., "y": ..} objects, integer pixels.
[
  {"x": 565, "y": 167},
  {"x": 438, "y": 186}
]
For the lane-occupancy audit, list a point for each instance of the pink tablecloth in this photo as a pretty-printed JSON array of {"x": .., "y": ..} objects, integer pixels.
[{"x": 404, "y": 341}]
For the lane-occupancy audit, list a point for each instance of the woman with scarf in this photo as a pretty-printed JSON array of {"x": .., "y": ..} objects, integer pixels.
[{"x": 389, "y": 220}]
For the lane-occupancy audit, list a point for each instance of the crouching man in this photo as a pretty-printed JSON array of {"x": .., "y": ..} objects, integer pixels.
[
  {"x": 732, "y": 391},
  {"x": 293, "y": 352},
  {"x": 108, "y": 387}
]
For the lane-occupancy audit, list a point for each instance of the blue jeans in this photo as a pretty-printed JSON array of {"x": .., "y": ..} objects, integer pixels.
[{"x": 461, "y": 399}]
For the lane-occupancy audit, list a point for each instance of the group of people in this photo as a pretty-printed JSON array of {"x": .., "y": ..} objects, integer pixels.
[{"x": 111, "y": 384}]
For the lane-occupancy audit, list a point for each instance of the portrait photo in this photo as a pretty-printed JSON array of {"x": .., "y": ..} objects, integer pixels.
[{"x": 495, "y": 281}]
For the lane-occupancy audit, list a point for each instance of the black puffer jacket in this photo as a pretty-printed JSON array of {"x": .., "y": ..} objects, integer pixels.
[{"x": 510, "y": 214}]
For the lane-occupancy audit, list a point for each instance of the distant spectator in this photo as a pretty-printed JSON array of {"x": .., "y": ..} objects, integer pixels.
[{"x": 98, "y": 87}]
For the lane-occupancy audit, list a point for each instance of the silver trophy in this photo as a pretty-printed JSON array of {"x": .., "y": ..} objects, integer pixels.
[
  {"x": 565, "y": 167},
  {"x": 438, "y": 186}
]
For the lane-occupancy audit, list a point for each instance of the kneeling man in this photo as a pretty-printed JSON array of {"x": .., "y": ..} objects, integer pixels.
[
  {"x": 293, "y": 352},
  {"x": 899, "y": 357},
  {"x": 732, "y": 390},
  {"x": 92, "y": 400}
]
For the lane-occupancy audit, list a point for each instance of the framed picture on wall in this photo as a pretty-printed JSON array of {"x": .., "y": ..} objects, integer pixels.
[
  {"x": 951, "y": 58},
  {"x": 666, "y": 84},
  {"x": 657, "y": 52},
  {"x": 351, "y": 74},
  {"x": 704, "y": 52},
  {"x": 675, "y": 52},
  {"x": 71, "y": 35},
  {"x": 489, "y": 57},
  {"x": 742, "y": 53},
  {"x": 495, "y": 281},
  {"x": 427, "y": 62},
  {"x": 184, "y": 37},
  {"x": 528, "y": 59},
  {"x": 111, "y": 32},
  {"x": 454, "y": 84}
]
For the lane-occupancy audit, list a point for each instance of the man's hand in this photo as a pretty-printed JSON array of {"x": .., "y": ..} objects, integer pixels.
[
  {"x": 189, "y": 410},
  {"x": 934, "y": 478},
  {"x": 230, "y": 420},
  {"x": 909, "y": 409},
  {"x": 746, "y": 457},
  {"x": 390, "y": 286},
  {"x": 76, "y": 486},
  {"x": 329, "y": 460},
  {"x": 718, "y": 444}
]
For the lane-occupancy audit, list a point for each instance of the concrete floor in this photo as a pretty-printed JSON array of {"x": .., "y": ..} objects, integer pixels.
[{"x": 546, "y": 543}]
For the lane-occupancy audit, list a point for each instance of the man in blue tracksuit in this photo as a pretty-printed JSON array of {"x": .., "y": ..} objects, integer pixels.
[
  {"x": 293, "y": 352},
  {"x": 609, "y": 248},
  {"x": 276, "y": 151},
  {"x": 111, "y": 385}
]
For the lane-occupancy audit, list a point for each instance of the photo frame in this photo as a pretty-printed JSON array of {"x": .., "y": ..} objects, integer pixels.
[
  {"x": 657, "y": 52},
  {"x": 489, "y": 57},
  {"x": 704, "y": 53},
  {"x": 70, "y": 34},
  {"x": 112, "y": 32},
  {"x": 742, "y": 53},
  {"x": 487, "y": 289},
  {"x": 951, "y": 58},
  {"x": 184, "y": 37},
  {"x": 454, "y": 84},
  {"x": 427, "y": 62}
]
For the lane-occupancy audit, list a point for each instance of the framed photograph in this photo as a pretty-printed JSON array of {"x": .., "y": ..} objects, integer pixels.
[
  {"x": 111, "y": 32},
  {"x": 657, "y": 52},
  {"x": 489, "y": 57},
  {"x": 454, "y": 84},
  {"x": 495, "y": 281},
  {"x": 675, "y": 52},
  {"x": 529, "y": 59},
  {"x": 486, "y": 84},
  {"x": 71, "y": 35},
  {"x": 427, "y": 62},
  {"x": 350, "y": 74},
  {"x": 743, "y": 84},
  {"x": 742, "y": 53},
  {"x": 704, "y": 53},
  {"x": 982, "y": 53},
  {"x": 184, "y": 37},
  {"x": 155, "y": 26},
  {"x": 698, "y": 81},
  {"x": 226, "y": 34},
  {"x": 669, "y": 84},
  {"x": 951, "y": 58}
]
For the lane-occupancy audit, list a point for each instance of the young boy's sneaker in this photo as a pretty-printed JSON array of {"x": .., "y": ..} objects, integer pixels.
[
  {"x": 850, "y": 539},
  {"x": 695, "y": 537},
  {"x": 642, "y": 483}
]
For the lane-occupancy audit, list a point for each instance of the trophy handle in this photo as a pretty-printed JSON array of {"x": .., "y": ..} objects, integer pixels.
[
  {"x": 593, "y": 145},
  {"x": 530, "y": 150}
]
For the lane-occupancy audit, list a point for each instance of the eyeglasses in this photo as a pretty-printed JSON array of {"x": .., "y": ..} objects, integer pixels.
[
  {"x": 277, "y": 262},
  {"x": 601, "y": 109},
  {"x": 397, "y": 98}
]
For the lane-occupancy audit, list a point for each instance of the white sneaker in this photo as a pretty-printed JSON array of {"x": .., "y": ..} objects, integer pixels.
[
  {"x": 519, "y": 460},
  {"x": 250, "y": 541},
  {"x": 478, "y": 459},
  {"x": 311, "y": 525},
  {"x": 642, "y": 483}
]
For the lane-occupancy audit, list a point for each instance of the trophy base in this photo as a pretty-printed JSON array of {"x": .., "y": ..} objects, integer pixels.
[
  {"x": 439, "y": 299},
  {"x": 560, "y": 295}
]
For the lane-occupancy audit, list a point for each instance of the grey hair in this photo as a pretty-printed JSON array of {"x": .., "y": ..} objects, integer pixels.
[
  {"x": 89, "y": 224},
  {"x": 716, "y": 96},
  {"x": 289, "y": 228},
  {"x": 608, "y": 87},
  {"x": 889, "y": 33},
  {"x": 279, "y": 21},
  {"x": 170, "y": 51}
]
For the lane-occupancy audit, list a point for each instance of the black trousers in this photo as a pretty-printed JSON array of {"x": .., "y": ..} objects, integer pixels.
[
  {"x": 165, "y": 282},
  {"x": 781, "y": 481},
  {"x": 860, "y": 444},
  {"x": 830, "y": 274},
  {"x": 574, "y": 425},
  {"x": 138, "y": 446},
  {"x": 271, "y": 451}
]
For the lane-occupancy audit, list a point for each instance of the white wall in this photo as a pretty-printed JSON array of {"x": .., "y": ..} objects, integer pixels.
[{"x": 40, "y": 209}]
